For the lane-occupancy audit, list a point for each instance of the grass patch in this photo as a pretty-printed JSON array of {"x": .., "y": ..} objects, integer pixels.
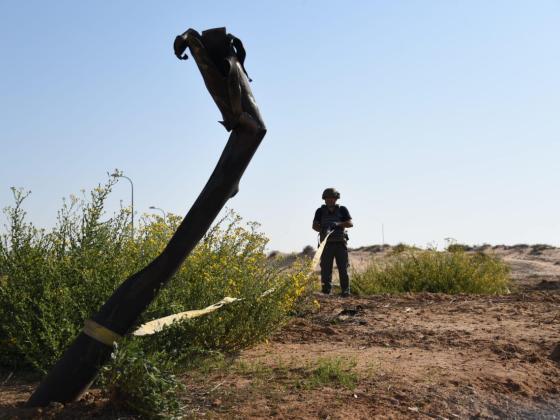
[
  {"x": 256, "y": 370},
  {"x": 434, "y": 271},
  {"x": 335, "y": 372}
]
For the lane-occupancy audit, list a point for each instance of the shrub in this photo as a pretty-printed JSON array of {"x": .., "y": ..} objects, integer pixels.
[
  {"x": 229, "y": 261},
  {"x": 538, "y": 249},
  {"x": 400, "y": 247},
  {"x": 142, "y": 382},
  {"x": 481, "y": 248},
  {"x": 372, "y": 248},
  {"x": 436, "y": 272},
  {"x": 455, "y": 247},
  {"x": 308, "y": 251},
  {"x": 51, "y": 282}
]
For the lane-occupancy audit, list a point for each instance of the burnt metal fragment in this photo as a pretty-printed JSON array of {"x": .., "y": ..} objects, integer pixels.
[{"x": 220, "y": 58}]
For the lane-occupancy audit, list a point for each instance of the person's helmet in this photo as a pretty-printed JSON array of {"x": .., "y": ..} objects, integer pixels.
[{"x": 330, "y": 193}]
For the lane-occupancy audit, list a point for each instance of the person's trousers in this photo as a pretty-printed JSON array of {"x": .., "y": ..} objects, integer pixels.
[{"x": 332, "y": 251}]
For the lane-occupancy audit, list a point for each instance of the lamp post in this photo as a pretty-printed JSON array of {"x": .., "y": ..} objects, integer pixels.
[
  {"x": 162, "y": 211},
  {"x": 117, "y": 174}
]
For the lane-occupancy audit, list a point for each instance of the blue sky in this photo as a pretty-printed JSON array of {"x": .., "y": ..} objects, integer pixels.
[{"x": 435, "y": 118}]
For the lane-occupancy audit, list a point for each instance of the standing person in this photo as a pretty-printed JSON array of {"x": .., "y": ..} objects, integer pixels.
[{"x": 335, "y": 218}]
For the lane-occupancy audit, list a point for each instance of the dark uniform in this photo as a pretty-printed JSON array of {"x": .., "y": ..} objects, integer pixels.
[{"x": 335, "y": 248}]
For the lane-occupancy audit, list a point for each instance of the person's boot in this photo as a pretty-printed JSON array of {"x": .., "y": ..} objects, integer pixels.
[
  {"x": 326, "y": 289},
  {"x": 345, "y": 293}
]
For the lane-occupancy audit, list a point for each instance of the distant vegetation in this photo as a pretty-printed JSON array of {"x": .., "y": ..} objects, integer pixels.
[
  {"x": 400, "y": 247},
  {"x": 450, "y": 271},
  {"x": 455, "y": 247}
]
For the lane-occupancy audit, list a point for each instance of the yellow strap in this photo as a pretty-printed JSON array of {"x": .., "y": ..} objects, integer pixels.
[
  {"x": 157, "y": 325},
  {"x": 100, "y": 333},
  {"x": 319, "y": 252}
]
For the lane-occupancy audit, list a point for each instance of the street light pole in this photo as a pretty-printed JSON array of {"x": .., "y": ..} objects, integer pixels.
[
  {"x": 162, "y": 211},
  {"x": 120, "y": 175}
]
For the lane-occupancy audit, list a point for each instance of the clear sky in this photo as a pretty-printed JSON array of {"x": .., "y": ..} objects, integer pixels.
[{"x": 435, "y": 118}]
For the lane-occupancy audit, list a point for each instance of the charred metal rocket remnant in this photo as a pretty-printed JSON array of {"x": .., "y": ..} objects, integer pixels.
[{"x": 220, "y": 58}]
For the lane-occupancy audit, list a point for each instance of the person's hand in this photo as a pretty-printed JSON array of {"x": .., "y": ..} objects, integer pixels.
[{"x": 333, "y": 226}]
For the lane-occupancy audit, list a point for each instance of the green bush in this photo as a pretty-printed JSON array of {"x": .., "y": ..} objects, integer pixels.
[
  {"x": 455, "y": 247},
  {"x": 142, "y": 382},
  {"x": 51, "y": 282},
  {"x": 230, "y": 261},
  {"x": 400, "y": 248},
  {"x": 434, "y": 271}
]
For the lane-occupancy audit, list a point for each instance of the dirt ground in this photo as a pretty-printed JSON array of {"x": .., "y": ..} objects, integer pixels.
[{"x": 411, "y": 356}]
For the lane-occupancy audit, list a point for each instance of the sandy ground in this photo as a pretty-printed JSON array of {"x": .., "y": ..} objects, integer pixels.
[{"x": 413, "y": 356}]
